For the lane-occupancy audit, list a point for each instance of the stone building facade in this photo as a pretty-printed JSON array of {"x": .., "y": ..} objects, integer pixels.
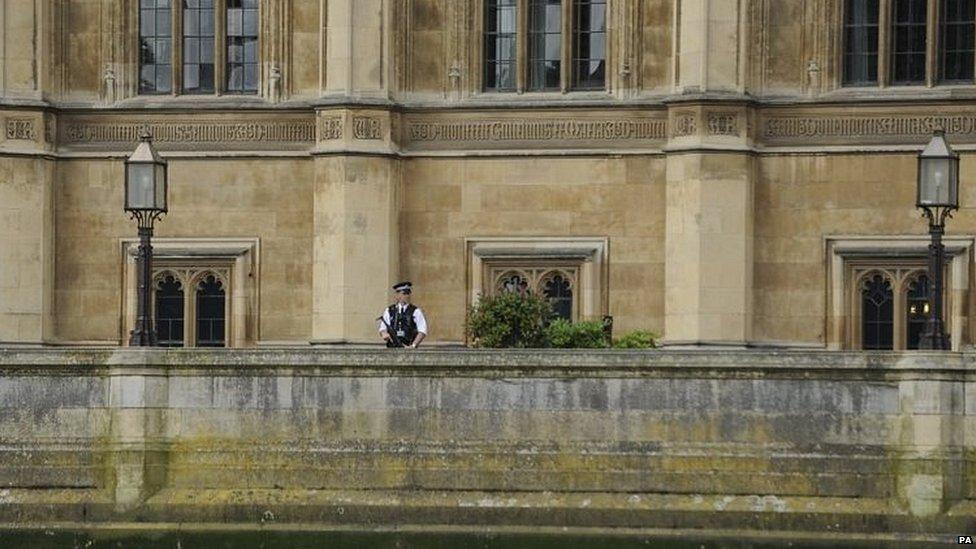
[{"x": 731, "y": 172}]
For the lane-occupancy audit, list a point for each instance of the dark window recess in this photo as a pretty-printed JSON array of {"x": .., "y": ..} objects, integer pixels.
[
  {"x": 242, "y": 46},
  {"x": 155, "y": 46},
  {"x": 861, "y": 42},
  {"x": 917, "y": 310},
  {"x": 545, "y": 38},
  {"x": 198, "y": 46},
  {"x": 560, "y": 295},
  {"x": 908, "y": 26},
  {"x": 957, "y": 47},
  {"x": 169, "y": 312},
  {"x": 877, "y": 314},
  {"x": 211, "y": 320},
  {"x": 499, "y": 45},
  {"x": 589, "y": 44}
]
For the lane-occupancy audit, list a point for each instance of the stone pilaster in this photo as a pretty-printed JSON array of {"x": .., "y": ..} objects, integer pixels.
[
  {"x": 138, "y": 457},
  {"x": 355, "y": 258},
  {"x": 26, "y": 228},
  {"x": 930, "y": 477},
  {"x": 711, "y": 45},
  {"x": 709, "y": 231},
  {"x": 357, "y": 41}
]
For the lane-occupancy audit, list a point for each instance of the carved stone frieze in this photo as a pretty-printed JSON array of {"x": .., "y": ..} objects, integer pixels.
[
  {"x": 541, "y": 132},
  {"x": 867, "y": 128},
  {"x": 684, "y": 124},
  {"x": 20, "y": 128},
  {"x": 256, "y": 133},
  {"x": 365, "y": 127},
  {"x": 331, "y": 128},
  {"x": 721, "y": 123}
]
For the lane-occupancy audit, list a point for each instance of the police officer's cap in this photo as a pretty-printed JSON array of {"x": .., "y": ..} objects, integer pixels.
[{"x": 403, "y": 287}]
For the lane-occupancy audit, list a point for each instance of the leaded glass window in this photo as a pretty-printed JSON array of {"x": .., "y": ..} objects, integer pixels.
[
  {"x": 155, "y": 46},
  {"x": 169, "y": 311},
  {"x": 242, "y": 46},
  {"x": 211, "y": 321},
  {"x": 560, "y": 293},
  {"x": 877, "y": 314},
  {"x": 589, "y": 43},
  {"x": 861, "y": 42},
  {"x": 198, "y": 46},
  {"x": 500, "y": 45},
  {"x": 917, "y": 310},
  {"x": 908, "y": 28},
  {"x": 545, "y": 44},
  {"x": 957, "y": 51}
]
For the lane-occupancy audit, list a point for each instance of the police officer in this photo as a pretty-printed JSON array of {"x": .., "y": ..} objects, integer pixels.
[{"x": 403, "y": 324}]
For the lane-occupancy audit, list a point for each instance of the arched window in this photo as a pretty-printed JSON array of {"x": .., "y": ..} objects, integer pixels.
[
  {"x": 513, "y": 282},
  {"x": 877, "y": 314},
  {"x": 169, "y": 311},
  {"x": 917, "y": 309},
  {"x": 210, "y": 312},
  {"x": 557, "y": 288}
]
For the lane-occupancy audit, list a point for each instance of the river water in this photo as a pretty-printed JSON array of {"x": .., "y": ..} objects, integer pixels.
[{"x": 41, "y": 538}]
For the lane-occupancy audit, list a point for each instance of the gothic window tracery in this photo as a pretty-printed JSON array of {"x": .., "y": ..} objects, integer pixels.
[
  {"x": 169, "y": 306},
  {"x": 190, "y": 304},
  {"x": 210, "y": 309},
  {"x": 556, "y": 284},
  {"x": 877, "y": 313}
]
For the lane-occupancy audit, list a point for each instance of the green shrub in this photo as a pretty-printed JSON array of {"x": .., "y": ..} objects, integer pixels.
[
  {"x": 637, "y": 339},
  {"x": 509, "y": 320},
  {"x": 563, "y": 334}
]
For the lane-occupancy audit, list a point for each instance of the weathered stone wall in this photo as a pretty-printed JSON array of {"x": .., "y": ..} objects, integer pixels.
[
  {"x": 270, "y": 199},
  {"x": 446, "y": 200},
  {"x": 778, "y": 441}
]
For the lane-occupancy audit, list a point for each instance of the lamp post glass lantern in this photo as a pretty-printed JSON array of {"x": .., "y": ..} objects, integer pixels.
[
  {"x": 145, "y": 200},
  {"x": 938, "y": 197}
]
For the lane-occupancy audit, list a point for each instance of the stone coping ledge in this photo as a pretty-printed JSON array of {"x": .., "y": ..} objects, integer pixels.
[{"x": 461, "y": 361}]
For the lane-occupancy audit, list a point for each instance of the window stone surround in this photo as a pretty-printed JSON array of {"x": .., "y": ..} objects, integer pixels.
[
  {"x": 236, "y": 259},
  {"x": 591, "y": 253},
  {"x": 841, "y": 252}
]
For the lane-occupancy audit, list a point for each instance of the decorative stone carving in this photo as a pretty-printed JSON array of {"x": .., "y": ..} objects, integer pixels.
[
  {"x": 571, "y": 129},
  {"x": 865, "y": 128},
  {"x": 331, "y": 128},
  {"x": 723, "y": 124},
  {"x": 21, "y": 128},
  {"x": 192, "y": 132},
  {"x": 684, "y": 124},
  {"x": 364, "y": 127}
]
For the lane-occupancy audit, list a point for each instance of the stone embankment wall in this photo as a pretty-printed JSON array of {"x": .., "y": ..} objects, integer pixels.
[{"x": 799, "y": 441}]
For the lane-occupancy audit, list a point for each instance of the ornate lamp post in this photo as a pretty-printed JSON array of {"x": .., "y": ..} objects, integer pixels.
[
  {"x": 145, "y": 200},
  {"x": 938, "y": 196}
]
